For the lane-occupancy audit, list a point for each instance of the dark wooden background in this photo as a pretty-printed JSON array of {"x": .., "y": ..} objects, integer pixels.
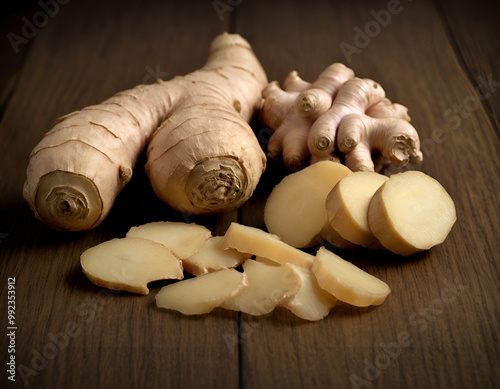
[{"x": 439, "y": 328}]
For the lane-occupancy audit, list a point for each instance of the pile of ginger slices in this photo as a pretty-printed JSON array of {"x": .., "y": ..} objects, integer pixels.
[
  {"x": 405, "y": 213},
  {"x": 273, "y": 274}
]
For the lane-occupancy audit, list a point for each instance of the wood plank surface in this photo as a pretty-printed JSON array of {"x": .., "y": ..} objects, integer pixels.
[
  {"x": 471, "y": 27},
  {"x": 439, "y": 328},
  {"x": 84, "y": 54},
  {"x": 415, "y": 62}
]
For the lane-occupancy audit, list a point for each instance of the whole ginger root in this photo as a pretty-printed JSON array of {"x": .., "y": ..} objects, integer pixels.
[
  {"x": 202, "y": 155},
  {"x": 338, "y": 112}
]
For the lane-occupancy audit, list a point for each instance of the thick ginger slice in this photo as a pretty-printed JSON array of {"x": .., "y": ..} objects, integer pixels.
[
  {"x": 359, "y": 121},
  {"x": 311, "y": 302},
  {"x": 257, "y": 242},
  {"x": 347, "y": 282},
  {"x": 200, "y": 295},
  {"x": 202, "y": 156},
  {"x": 129, "y": 264},
  {"x": 411, "y": 212},
  {"x": 184, "y": 239},
  {"x": 213, "y": 256},
  {"x": 267, "y": 287},
  {"x": 295, "y": 210},
  {"x": 347, "y": 207},
  {"x": 331, "y": 236}
]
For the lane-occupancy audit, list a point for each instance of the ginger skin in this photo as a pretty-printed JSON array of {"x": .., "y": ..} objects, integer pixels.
[
  {"x": 202, "y": 157},
  {"x": 292, "y": 112},
  {"x": 349, "y": 115}
]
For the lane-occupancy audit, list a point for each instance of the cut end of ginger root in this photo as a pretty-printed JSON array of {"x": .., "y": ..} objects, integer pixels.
[
  {"x": 411, "y": 212},
  {"x": 347, "y": 282},
  {"x": 202, "y": 155},
  {"x": 67, "y": 201},
  {"x": 129, "y": 264}
]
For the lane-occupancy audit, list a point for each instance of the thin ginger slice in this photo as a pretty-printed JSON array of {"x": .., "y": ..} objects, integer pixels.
[
  {"x": 200, "y": 295},
  {"x": 184, "y": 239},
  {"x": 347, "y": 282},
  {"x": 295, "y": 210},
  {"x": 267, "y": 287},
  {"x": 213, "y": 256},
  {"x": 411, "y": 212},
  {"x": 347, "y": 207},
  {"x": 267, "y": 261},
  {"x": 257, "y": 242},
  {"x": 311, "y": 302},
  {"x": 129, "y": 264}
]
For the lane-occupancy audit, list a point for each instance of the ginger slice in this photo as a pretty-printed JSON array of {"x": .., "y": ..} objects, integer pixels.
[
  {"x": 347, "y": 207},
  {"x": 257, "y": 242},
  {"x": 213, "y": 256},
  {"x": 266, "y": 261},
  {"x": 348, "y": 282},
  {"x": 331, "y": 236},
  {"x": 184, "y": 239},
  {"x": 129, "y": 264},
  {"x": 411, "y": 212},
  {"x": 295, "y": 209},
  {"x": 267, "y": 287},
  {"x": 311, "y": 302},
  {"x": 200, "y": 295}
]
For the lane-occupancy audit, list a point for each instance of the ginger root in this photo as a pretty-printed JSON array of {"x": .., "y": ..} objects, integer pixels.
[
  {"x": 358, "y": 121},
  {"x": 202, "y": 157}
]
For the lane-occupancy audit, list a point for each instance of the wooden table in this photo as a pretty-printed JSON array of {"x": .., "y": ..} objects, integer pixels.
[{"x": 439, "y": 328}]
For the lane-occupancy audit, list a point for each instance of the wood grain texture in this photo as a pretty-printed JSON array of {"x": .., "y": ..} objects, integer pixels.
[
  {"x": 471, "y": 27},
  {"x": 439, "y": 328},
  {"x": 413, "y": 58},
  {"x": 84, "y": 54}
]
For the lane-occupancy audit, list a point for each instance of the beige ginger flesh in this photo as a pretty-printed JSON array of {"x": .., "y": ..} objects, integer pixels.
[
  {"x": 129, "y": 264},
  {"x": 213, "y": 256},
  {"x": 289, "y": 278},
  {"x": 257, "y": 242},
  {"x": 202, "y": 155},
  {"x": 182, "y": 238},
  {"x": 200, "y": 295},
  {"x": 347, "y": 207},
  {"x": 311, "y": 302},
  {"x": 295, "y": 210},
  {"x": 347, "y": 282},
  {"x": 267, "y": 287},
  {"x": 411, "y": 212}
]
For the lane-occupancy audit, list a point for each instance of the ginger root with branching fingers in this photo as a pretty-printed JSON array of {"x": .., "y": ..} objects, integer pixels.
[
  {"x": 337, "y": 112},
  {"x": 203, "y": 157}
]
